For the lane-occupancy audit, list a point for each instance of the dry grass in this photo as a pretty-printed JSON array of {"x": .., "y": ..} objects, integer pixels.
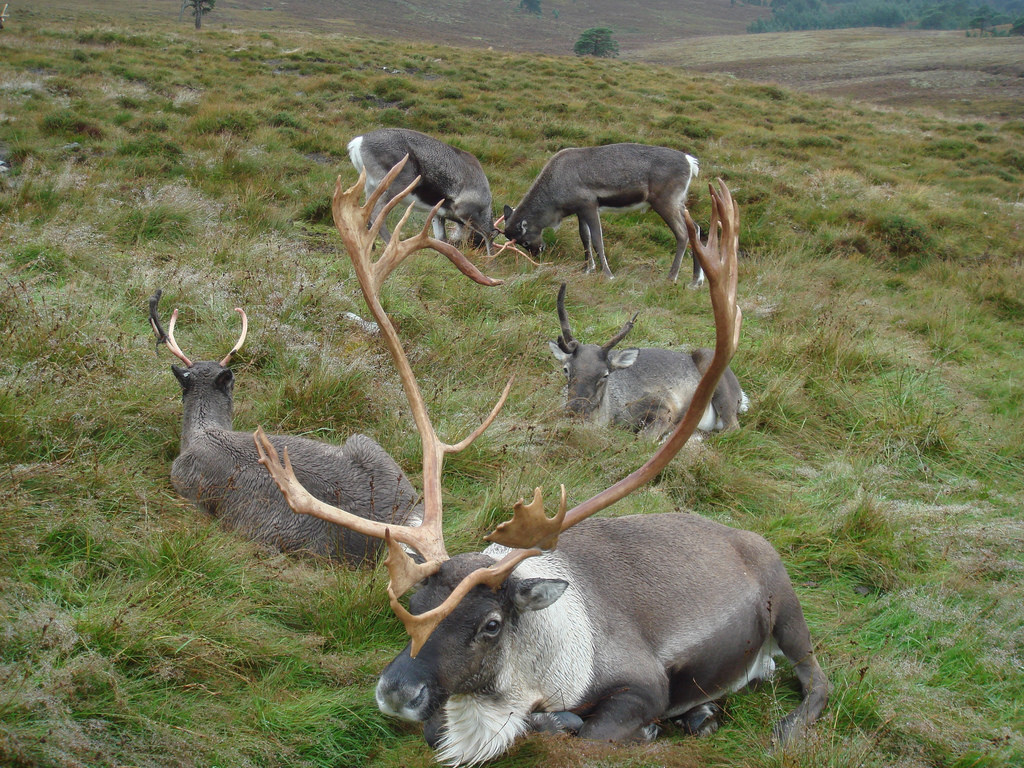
[{"x": 943, "y": 72}]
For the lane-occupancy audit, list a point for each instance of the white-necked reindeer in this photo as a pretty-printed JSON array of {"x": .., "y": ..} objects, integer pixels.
[{"x": 602, "y": 624}]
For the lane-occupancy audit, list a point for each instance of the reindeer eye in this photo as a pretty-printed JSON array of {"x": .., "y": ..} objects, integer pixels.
[
  {"x": 565, "y": 369},
  {"x": 492, "y": 627}
]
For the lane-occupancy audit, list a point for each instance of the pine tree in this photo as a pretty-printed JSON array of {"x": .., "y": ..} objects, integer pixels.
[
  {"x": 597, "y": 41},
  {"x": 199, "y": 9}
]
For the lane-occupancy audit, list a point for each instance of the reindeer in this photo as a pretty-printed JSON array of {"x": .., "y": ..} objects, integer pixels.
[
  {"x": 448, "y": 175},
  {"x": 644, "y": 390},
  {"x": 217, "y": 468},
  {"x": 603, "y": 628},
  {"x": 586, "y": 180}
]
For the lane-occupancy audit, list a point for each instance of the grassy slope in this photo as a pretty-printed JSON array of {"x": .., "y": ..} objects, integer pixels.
[
  {"x": 498, "y": 23},
  {"x": 880, "y": 283}
]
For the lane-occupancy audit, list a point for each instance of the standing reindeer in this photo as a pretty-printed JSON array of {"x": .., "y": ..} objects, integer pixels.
[
  {"x": 448, "y": 175},
  {"x": 583, "y": 181},
  {"x": 609, "y": 625},
  {"x": 217, "y": 468},
  {"x": 642, "y": 389}
]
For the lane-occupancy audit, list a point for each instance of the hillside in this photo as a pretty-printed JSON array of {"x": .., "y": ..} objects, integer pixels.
[
  {"x": 500, "y": 24},
  {"x": 881, "y": 266},
  {"x": 980, "y": 77},
  {"x": 967, "y": 76}
]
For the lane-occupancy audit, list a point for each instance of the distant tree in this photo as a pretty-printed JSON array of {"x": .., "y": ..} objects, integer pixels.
[
  {"x": 937, "y": 18},
  {"x": 531, "y": 6},
  {"x": 982, "y": 19},
  {"x": 1017, "y": 28},
  {"x": 199, "y": 9},
  {"x": 597, "y": 41}
]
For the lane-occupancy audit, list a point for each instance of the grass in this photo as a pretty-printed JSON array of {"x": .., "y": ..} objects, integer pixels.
[{"x": 880, "y": 281}]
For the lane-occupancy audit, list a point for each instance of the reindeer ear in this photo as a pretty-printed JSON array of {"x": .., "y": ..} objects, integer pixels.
[
  {"x": 182, "y": 375},
  {"x": 622, "y": 358},
  {"x": 508, "y": 211},
  {"x": 225, "y": 381},
  {"x": 537, "y": 594},
  {"x": 560, "y": 355}
]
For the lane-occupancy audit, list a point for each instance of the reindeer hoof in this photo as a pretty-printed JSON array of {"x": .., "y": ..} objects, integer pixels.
[
  {"x": 556, "y": 722},
  {"x": 650, "y": 732},
  {"x": 702, "y": 720}
]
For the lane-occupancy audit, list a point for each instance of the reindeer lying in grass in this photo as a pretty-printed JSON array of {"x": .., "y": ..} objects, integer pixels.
[
  {"x": 644, "y": 390},
  {"x": 603, "y": 628},
  {"x": 218, "y": 468}
]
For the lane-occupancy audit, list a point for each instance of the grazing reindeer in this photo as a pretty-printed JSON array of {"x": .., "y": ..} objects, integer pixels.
[
  {"x": 448, "y": 175},
  {"x": 609, "y": 625},
  {"x": 217, "y": 468},
  {"x": 641, "y": 389},
  {"x": 586, "y": 180}
]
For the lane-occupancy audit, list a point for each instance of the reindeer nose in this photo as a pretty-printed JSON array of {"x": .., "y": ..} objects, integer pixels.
[
  {"x": 578, "y": 406},
  {"x": 404, "y": 701}
]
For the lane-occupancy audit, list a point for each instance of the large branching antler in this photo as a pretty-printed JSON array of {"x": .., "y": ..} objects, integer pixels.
[
  {"x": 530, "y": 530},
  {"x": 719, "y": 260},
  {"x": 358, "y": 233}
]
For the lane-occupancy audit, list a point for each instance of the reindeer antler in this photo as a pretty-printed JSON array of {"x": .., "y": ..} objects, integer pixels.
[
  {"x": 358, "y": 233},
  {"x": 168, "y": 337},
  {"x": 530, "y": 530},
  {"x": 719, "y": 261},
  {"x": 510, "y": 245}
]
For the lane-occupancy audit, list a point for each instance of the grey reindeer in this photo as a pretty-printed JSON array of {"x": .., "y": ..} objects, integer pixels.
[
  {"x": 604, "y": 627},
  {"x": 583, "y": 181},
  {"x": 448, "y": 175},
  {"x": 645, "y": 390},
  {"x": 218, "y": 469}
]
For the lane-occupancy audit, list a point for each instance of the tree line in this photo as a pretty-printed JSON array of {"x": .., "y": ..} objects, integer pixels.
[{"x": 792, "y": 15}]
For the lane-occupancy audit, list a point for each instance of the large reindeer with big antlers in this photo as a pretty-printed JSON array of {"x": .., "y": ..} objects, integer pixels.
[{"x": 598, "y": 626}]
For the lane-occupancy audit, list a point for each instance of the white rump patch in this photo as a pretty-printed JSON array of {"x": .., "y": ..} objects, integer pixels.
[
  {"x": 355, "y": 152},
  {"x": 694, "y": 166}
]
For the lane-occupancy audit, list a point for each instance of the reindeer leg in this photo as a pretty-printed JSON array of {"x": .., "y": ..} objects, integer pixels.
[
  {"x": 702, "y": 720},
  {"x": 677, "y": 224},
  {"x": 588, "y": 249},
  {"x": 385, "y": 233},
  {"x": 440, "y": 230},
  {"x": 628, "y": 714},
  {"x": 593, "y": 223},
  {"x": 698, "y": 273},
  {"x": 794, "y": 639}
]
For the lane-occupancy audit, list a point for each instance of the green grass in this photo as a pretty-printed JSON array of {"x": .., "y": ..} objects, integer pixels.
[{"x": 880, "y": 279}]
